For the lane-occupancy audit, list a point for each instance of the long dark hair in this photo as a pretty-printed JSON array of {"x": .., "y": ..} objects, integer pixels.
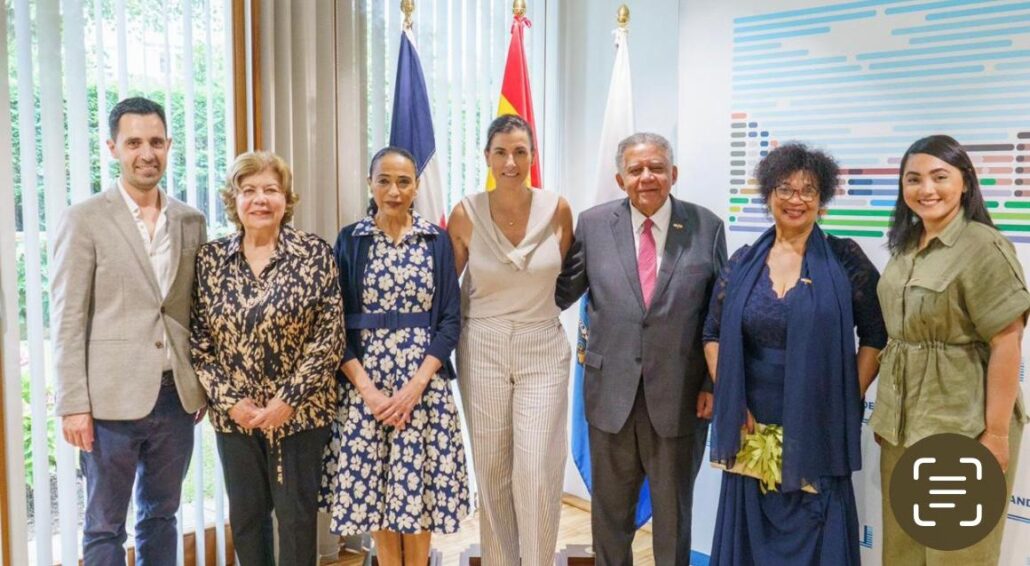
[{"x": 906, "y": 227}]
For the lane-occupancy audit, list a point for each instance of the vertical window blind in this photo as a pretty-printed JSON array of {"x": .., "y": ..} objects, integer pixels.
[{"x": 63, "y": 65}]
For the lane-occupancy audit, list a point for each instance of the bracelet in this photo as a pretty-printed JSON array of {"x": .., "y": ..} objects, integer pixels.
[{"x": 1004, "y": 436}]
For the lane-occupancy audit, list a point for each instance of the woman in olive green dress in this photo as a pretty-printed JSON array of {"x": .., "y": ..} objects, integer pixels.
[{"x": 955, "y": 302}]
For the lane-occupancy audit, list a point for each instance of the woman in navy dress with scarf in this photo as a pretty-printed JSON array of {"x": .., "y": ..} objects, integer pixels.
[{"x": 779, "y": 339}]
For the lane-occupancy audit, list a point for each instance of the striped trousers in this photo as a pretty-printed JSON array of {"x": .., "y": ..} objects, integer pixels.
[{"x": 514, "y": 378}]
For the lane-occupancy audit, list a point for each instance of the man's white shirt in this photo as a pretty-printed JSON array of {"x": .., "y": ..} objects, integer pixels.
[
  {"x": 158, "y": 248},
  {"x": 660, "y": 229}
]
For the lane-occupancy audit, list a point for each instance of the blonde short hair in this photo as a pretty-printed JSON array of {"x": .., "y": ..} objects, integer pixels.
[{"x": 252, "y": 163}]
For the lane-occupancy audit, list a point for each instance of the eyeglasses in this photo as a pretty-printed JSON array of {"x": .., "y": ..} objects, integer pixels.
[{"x": 806, "y": 194}]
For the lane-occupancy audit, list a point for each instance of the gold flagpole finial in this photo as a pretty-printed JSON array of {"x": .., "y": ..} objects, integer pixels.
[
  {"x": 519, "y": 8},
  {"x": 623, "y": 17},
  {"x": 408, "y": 7}
]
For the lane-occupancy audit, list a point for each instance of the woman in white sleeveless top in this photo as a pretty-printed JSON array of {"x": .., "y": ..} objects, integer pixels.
[{"x": 513, "y": 356}]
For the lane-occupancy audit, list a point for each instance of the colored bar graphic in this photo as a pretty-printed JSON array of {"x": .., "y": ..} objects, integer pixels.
[
  {"x": 936, "y": 96},
  {"x": 758, "y": 47},
  {"x": 807, "y": 21},
  {"x": 797, "y": 73},
  {"x": 963, "y": 72},
  {"x": 899, "y": 88},
  {"x": 996, "y": 9},
  {"x": 788, "y": 64},
  {"x": 934, "y": 50},
  {"x": 960, "y": 25},
  {"x": 1023, "y": 53},
  {"x": 867, "y": 78},
  {"x": 782, "y": 34},
  {"x": 933, "y": 6},
  {"x": 969, "y": 35},
  {"x": 775, "y": 55},
  {"x": 816, "y": 10}
]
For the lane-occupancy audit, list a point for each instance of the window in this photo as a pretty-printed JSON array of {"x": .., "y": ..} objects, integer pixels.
[{"x": 65, "y": 64}]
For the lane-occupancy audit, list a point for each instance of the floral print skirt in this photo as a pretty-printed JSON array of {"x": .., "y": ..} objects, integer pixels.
[{"x": 376, "y": 478}]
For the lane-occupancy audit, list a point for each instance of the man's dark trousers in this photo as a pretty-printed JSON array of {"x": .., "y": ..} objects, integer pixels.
[{"x": 153, "y": 453}]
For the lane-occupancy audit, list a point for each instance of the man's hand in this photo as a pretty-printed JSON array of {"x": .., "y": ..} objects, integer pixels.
[
  {"x": 244, "y": 412},
  {"x": 274, "y": 415},
  {"x": 78, "y": 430},
  {"x": 705, "y": 402}
]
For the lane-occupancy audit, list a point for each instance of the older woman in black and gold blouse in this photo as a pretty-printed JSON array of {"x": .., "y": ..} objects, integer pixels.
[{"x": 267, "y": 337}]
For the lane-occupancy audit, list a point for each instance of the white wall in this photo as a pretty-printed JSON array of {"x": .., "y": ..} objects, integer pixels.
[{"x": 707, "y": 99}]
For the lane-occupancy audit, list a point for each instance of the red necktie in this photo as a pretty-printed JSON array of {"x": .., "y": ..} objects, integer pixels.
[{"x": 647, "y": 262}]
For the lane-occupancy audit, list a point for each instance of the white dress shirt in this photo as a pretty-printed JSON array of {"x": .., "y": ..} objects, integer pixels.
[
  {"x": 158, "y": 248},
  {"x": 660, "y": 229}
]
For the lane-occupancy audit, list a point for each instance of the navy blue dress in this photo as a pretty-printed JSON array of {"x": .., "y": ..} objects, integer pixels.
[
  {"x": 374, "y": 476},
  {"x": 796, "y": 528}
]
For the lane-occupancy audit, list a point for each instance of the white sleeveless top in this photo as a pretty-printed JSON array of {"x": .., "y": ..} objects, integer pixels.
[{"x": 515, "y": 283}]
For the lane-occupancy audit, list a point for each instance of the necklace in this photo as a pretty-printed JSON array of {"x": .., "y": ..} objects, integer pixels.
[{"x": 508, "y": 219}]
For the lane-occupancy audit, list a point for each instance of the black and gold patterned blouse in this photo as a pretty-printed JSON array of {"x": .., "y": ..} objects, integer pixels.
[{"x": 277, "y": 334}]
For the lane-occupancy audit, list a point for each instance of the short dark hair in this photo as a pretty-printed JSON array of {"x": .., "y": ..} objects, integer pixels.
[
  {"x": 134, "y": 105},
  {"x": 790, "y": 158},
  {"x": 391, "y": 150},
  {"x": 507, "y": 124},
  {"x": 379, "y": 155},
  {"x": 906, "y": 227}
]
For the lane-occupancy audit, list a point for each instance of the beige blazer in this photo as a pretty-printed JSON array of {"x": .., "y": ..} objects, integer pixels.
[{"x": 109, "y": 319}]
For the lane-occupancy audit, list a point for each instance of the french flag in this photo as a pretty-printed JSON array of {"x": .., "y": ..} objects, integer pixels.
[{"x": 412, "y": 129}]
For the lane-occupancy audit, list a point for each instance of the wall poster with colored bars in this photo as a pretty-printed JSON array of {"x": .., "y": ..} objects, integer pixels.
[{"x": 861, "y": 80}]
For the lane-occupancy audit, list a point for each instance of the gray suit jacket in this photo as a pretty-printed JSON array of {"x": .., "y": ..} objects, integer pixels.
[
  {"x": 662, "y": 344},
  {"x": 109, "y": 317}
]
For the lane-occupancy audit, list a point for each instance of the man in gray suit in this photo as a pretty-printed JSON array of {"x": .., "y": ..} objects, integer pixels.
[
  {"x": 122, "y": 282},
  {"x": 649, "y": 262}
]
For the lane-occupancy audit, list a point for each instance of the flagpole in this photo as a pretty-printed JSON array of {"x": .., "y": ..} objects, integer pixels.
[
  {"x": 519, "y": 8},
  {"x": 622, "y": 17}
]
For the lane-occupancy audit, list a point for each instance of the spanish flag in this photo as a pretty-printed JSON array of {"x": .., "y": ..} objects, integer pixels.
[{"x": 515, "y": 96}]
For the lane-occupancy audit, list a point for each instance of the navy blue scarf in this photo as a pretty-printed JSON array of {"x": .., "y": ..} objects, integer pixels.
[{"x": 822, "y": 410}]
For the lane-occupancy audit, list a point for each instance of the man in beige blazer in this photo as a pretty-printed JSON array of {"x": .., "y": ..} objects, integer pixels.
[{"x": 122, "y": 282}]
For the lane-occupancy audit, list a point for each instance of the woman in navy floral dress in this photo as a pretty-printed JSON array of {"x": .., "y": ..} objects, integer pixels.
[{"x": 395, "y": 465}]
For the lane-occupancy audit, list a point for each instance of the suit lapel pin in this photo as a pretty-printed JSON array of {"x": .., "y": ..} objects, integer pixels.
[
  {"x": 677, "y": 225},
  {"x": 806, "y": 281}
]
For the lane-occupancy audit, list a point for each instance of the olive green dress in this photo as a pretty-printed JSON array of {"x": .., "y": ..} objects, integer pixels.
[{"x": 942, "y": 305}]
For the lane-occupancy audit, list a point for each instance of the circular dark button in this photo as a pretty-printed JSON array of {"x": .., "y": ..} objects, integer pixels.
[
  {"x": 162, "y": 310},
  {"x": 947, "y": 491},
  {"x": 159, "y": 344},
  {"x": 638, "y": 359}
]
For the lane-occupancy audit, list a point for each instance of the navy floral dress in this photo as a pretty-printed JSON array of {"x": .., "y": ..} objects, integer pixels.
[{"x": 376, "y": 478}]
